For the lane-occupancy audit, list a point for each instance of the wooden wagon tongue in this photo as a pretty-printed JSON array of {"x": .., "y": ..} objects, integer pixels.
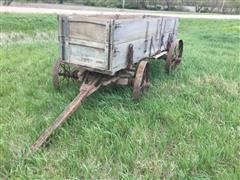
[{"x": 90, "y": 84}]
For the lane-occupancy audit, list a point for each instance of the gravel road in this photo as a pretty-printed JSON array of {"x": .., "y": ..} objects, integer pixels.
[{"x": 70, "y": 9}]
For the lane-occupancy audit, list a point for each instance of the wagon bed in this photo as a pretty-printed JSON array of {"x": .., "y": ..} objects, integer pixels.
[{"x": 101, "y": 43}]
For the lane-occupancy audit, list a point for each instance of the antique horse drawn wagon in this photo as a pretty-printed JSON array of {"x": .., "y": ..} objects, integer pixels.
[{"x": 98, "y": 50}]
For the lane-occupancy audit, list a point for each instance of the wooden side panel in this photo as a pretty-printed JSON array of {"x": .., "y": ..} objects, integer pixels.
[
  {"x": 87, "y": 56},
  {"x": 131, "y": 30},
  {"x": 169, "y": 31},
  {"x": 148, "y": 36},
  {"x": 87, "y": 31},
  {"x": 121, "y": 51},
  {"x": 87, "y": 43}
]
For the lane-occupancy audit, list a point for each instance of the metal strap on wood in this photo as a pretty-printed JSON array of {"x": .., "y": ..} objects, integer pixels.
[
  {"x": 146, "y": 37},
  {"x": 158, "y": 23},
  {"x": 162, "y": 35},
  {"x": 63, "y": 34},
  {"x": 109, "y": 50},
  {"x": 151, "y": 46}
]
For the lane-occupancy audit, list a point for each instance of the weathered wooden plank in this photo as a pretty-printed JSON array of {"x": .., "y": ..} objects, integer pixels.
[
  {"x": 126, "y": 31},
  {"x": 87, "y": 31},
  {"x": 77, "y": 41},
  {"x": 87, "y": 56},
  {"x": 121, "y": 50},
  {"x": 120, "y": 55}
]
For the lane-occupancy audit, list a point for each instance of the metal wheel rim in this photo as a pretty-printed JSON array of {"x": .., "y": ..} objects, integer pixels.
[
  {"x": 174, "y": 56},
  {"x": 56, "y": 78},
  {"x": 60, "y": 71},
  {"x": 141, "y": 80}
]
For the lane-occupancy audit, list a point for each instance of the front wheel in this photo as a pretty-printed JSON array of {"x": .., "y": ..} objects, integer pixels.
[
  {"x": 55, "y": 74},
  {"x": 141, "y": 80},
  {"x": 61, "y": 73}
]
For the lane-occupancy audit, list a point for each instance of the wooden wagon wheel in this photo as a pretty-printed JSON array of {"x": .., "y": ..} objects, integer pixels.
[
  {"x": 61, "y": 72},
  {"x": 174, "y": 56},
  {"x": 55, "y": 74},
  {"x": 141, "y": 80}
]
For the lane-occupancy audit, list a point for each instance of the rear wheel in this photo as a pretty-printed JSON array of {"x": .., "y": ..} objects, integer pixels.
[{"x": 174, "y": 56}]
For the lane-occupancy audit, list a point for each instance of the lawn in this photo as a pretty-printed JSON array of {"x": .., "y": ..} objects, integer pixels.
[{"x": 187, "y": 126}]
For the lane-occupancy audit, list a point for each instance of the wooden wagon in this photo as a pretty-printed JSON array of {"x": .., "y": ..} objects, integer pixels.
[{"x": 98, "y": 50}]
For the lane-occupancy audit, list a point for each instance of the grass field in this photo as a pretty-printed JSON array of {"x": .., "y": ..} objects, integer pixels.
[{"x": 187, "y": 126}]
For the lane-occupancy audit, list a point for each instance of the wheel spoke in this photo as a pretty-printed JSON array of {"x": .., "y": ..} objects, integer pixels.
[{"x": 174, "y": 56}]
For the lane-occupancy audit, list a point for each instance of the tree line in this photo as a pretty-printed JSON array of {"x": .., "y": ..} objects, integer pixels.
[{"x": 220, "y": 6}]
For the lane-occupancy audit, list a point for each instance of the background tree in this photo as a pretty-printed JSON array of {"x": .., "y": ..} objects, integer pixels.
[
  {"x": 168, "y": 4},
  {"x": 222, "y": 6},
  {"x": 7, "y": 2},
  {"x": 214, "y": 4},
  {"x": 200, "y": 4}
]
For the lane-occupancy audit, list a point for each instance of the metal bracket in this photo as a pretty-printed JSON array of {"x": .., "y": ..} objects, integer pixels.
[
  {"x": 117, "y": 25},
  {"x": 158, "y": 23},
  {"x": 170, "y": 40},
  {"x": 162, "y": 34},
  {"x": 63, "y": 34},
  {"x": 130, "y": 56},
  {"x": 146, "y": 38}
]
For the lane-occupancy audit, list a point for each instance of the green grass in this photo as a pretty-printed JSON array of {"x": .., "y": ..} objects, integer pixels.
[
  {"x": 187, "y": 126},
  {"x": 29, "y": 24}
]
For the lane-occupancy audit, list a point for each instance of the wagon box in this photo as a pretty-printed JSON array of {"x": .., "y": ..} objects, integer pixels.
[
  {"x": 101, "y": 43},
  {"x": 99, "y": 50}
]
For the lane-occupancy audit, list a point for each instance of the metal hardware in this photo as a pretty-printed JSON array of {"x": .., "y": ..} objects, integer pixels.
[{"x": 130, "y": 56}]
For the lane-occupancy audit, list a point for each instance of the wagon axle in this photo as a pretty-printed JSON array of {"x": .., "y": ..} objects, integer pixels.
[{"x": 70, "y": 74}]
